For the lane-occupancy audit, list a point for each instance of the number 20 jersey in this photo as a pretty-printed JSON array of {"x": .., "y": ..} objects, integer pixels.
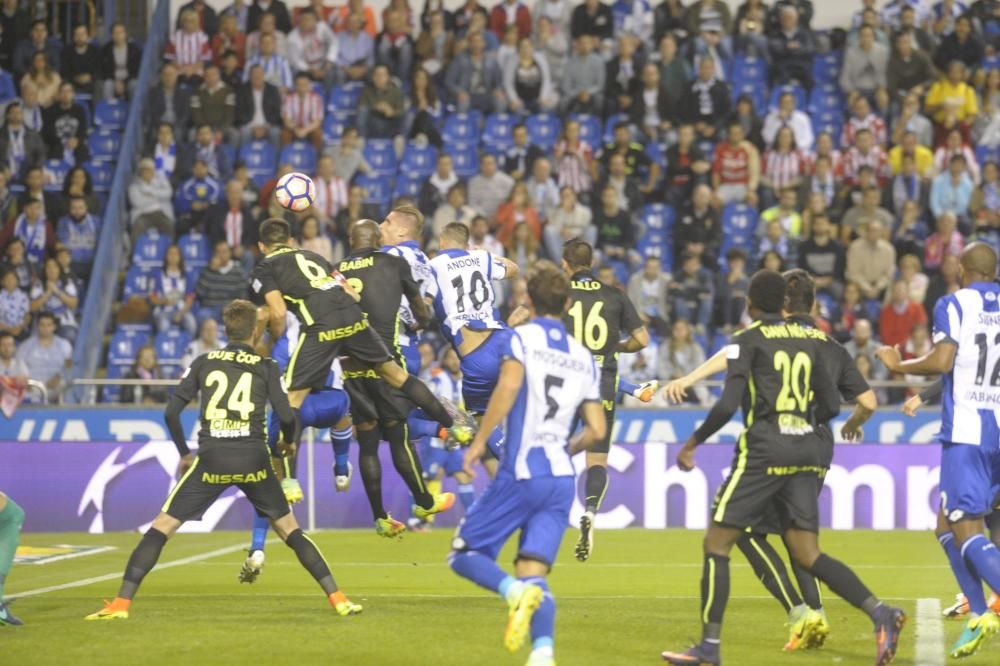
[
  {"x": 465, "y": 289},
  {"x": 970, "y": 318}
]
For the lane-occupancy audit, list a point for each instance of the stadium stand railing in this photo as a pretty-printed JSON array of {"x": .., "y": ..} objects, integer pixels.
[{"x": 107, "y": 262}]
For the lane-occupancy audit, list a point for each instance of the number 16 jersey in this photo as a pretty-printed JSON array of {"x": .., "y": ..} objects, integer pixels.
[{"x": 598, "y": 318}]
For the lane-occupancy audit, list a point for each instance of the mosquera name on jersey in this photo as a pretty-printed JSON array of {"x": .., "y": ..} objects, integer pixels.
[
  {"x": 559, "y": 375},
  {"x": 465, "y": 289},
  {"x": 970, "y": 318}
]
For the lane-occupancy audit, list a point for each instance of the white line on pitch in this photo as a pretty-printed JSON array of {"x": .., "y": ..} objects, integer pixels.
[
  {"x": 930, "y": 634},
  {"x": 70, "y": 556},
  {"x": 590, "y": 565},
  {"x": 118, "y": 574}
]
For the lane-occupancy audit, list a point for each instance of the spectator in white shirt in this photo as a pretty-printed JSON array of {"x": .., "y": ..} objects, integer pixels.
[
  {"x": 10, "y": 364},
  {"x": 46, "y": 355},
  {"x": 786, "y": 115},
  {"x": 312, "y": 48}
]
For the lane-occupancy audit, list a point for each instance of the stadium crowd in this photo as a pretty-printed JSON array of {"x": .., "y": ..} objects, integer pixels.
[{"x": 692, "y": 143}]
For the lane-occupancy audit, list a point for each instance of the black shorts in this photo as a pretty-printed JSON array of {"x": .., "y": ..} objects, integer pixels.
[
  {"x": 372, "y": 399},
  {"x": 216, "y": 468},
  {"x": 346, "y": 332},
  {"x": 750, "y": 495}
]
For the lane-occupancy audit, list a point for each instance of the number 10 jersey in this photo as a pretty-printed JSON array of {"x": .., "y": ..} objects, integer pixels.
[{"x": 465, "y": 289}]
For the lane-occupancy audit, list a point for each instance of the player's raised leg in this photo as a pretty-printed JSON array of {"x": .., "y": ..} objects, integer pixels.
[
  {"x": 369, "y": 437},
  {"x": 11, "y": 520}
]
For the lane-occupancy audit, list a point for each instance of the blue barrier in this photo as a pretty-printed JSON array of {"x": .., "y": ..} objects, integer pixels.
[{"x": 107, "y": 263}]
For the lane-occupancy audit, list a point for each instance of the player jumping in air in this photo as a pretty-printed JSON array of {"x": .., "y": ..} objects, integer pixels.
[
  {"x": 966, "y": 353},
  {"x": 11, "y": 520},
  {"x": 332, "y": 324},
  {"x": 380, "y": 411},
  {"x": 598, "y": 318},
  {"x": 807, "y": 622},
  {"x": 328, "y": 408},
  {"x": 774, "y": 370},
  {"x": 235, "y": 384},
  {"x": 545, "y": 378}
]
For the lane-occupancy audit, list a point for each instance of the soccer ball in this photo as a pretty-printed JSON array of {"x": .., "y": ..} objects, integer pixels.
[{"x": 295, "y": 191}]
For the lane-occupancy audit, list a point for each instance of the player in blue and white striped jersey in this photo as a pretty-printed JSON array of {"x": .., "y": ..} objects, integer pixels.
[
  {"x": 546, "y": 379},
  {"x": 967, "y": 353}
]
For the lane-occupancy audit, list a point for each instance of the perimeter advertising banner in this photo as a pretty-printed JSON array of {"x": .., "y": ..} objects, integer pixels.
[{"x": 110, "y": 470}]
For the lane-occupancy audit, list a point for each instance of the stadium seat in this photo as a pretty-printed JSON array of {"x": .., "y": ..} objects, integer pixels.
[
  {"x": 378, "y": 190},
  {"x": 408, "y": 185},
  {"x": 826, "y": 98},
  {"x": 124, "y": 345},
  {"x": 301, "y": 155},
  {"x": 991, "y": 62},
  {"x": 826, "y": 67},
  {"x": 55, "y": 174},
  {"x": 170, "y": 346},
  {"x": 104, "y": 145},
  {"x": 381, "y": 157},
  {"x": 334, "y": 125},
  {"x": 110, "y": 114},
  {"x": 465, "y": 159},
  {"x": 101, "y": 175},
  {"x": 749, "y": 69},
  {"x": 778, "y": 91},
  {"x": 195, "y": 250},
  {"x": 345, "y": 97},
  {"x": 708, "y": 150},
  {"x": 609, "y": 125},
  {"x": 115, "y": 371},
  {"x": 739, "y": 219},
  {"x": 85, "y": 102},
  {"x": 657, "y": 217},
  {"x": 261, "y": 160},
  {"x": 418, "y": 160},
  {"x": 590, "y": 129},
  {"x": 462, "y": 128},
  {"x": 986, "y": 154},
  {"x": 498, "y": 132},
  {"x": 150, "y": 249},
  {"x": 756, "y": 92},
  {"x": 138, "y": 282},
  {"x": 543, "y": 130},
  {"x": 657, "y": 243},
  {"x": 830, "y": 122},
  {"x": 657, "y": 151}
]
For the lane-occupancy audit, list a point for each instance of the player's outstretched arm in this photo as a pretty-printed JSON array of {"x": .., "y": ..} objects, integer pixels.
[
  {"x": 510, "y": 268},
  {"x": 863, "y": 410},
  {"x": 594, "y": 430},
  {"x": 934, "y": 390},
  {"x": 185, "y": 393},
  {"x": 939, "y": 360},
  {"x": 636, "y": 341},
  {"x": 501, "y": 402},
  {"x": 718, "y": 416},
  {"x": 276, "y": 304},
  {"x": 677, "y": 389}
]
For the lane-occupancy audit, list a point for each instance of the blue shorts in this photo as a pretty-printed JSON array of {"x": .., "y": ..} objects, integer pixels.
[
  {"x": 436, "y": 458},
  {"x": 970, "y": 479},
  {"x": 480, "y": 371},
  {"x": 538, "y": 507},
  {"x": 321, "y": 409},
  {"x": 411, "y": 358}
]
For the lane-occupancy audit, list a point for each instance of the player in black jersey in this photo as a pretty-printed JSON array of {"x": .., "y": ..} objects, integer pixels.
[
  {"x": 235, "y": 384},
  {"x": 332, "y": 322},
  {"x": 775, "y": 372},
  {"x": 806, "y": 619},
  {"x": 603, "y": 320},
  {"x": 380, "y": 412}
]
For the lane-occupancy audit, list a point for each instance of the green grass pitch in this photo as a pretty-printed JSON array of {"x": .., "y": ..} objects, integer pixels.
[{"x": 637, "y": 596}]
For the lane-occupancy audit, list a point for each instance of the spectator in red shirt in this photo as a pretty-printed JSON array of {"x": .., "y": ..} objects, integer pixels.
[
  {"x": 899, "y": 316},
  {"x": 510, "y": 12},
  {"x": 229, "y": 38},
  {"x": 863, "y": 153},
  {"x": 947, "y": 240},
  {"x": 736, "y": 168}
]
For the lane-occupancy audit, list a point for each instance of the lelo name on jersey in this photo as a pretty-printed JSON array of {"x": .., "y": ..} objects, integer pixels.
[
  {"x": 343, "y": 331},
  {"x": 558, "y": 360},
  {"x": 464, "y": 262},
  {"x": 585, "y": 285},
  {"x": 237, "y": 356}
]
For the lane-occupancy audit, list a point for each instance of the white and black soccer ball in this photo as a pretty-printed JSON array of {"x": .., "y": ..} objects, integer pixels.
[{"x": 295, "y": 191}]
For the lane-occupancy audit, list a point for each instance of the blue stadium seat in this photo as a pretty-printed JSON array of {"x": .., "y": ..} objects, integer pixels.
[
  {"x": 261, "y": 160},
  {"x": 797, "y": 90},
  {"x": 462, "y": 128},
  {"x": 830, "y": 122},
  {"x": 381, "y": 156},
  {"x": 104, "y": 145},
  {"x": 170, "y": 346},
  {"x": 378, "y": 189},
  {"x": 301, "y": 155},
  {"x": 334, "y": 125},
  {"x": 195, "y": 250},
  {"x": 465, "y": 159},
  {"x": 738, "y": 218},
  {"x": 826, "y": 98},
  {"x": 708, "y": 149},
  {"x": 85, "y": 102},
  {"x": 55, "y": 174},
  {"x": 756, "y": 92},
  {"x": 408, "y": 185},
  {"x": 657, "y": 243},
  {"x": 657, "y": 151},
  {"x": 138, "y": 282},
  {"x": 110, "y": 114},
  {"x": 826, "y": 67},
  {"x": 498, "y": 132},
  {"x": 590, "y": 129},
  {"x": 345, "y": 97},
  {"x": 101, "y": 175},
  {"x": 150, "y": 249},
  {"x": 749, "y": 69},
  {"x": 986, "y": 154},
  {"x": 657, "y": 217},
  {"x": 192, "y": 275},
  {"x": 418, "y": 160},
  {"x": 609, "y": 125},
  {"x": 124, "y": 345},
  {"x": 113, "y": 393},
  {"x": 991, "y": 62},
  {"x": 543, "y": 130}
]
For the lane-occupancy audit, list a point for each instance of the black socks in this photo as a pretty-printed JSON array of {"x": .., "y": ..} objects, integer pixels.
[
  {"x": 142, "y": 561},
  {"x": 407, "y": 463},
  {"x": 422, "y": 397},
  {"x": 371, "y": 469},
  {"x": 770, "y": 569},
  {"x": 844, "y": 583},
  {"x": 312, "y": 560},
  {"x": 595, "y": 486},
  {"x": 714, "y": 595}
]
